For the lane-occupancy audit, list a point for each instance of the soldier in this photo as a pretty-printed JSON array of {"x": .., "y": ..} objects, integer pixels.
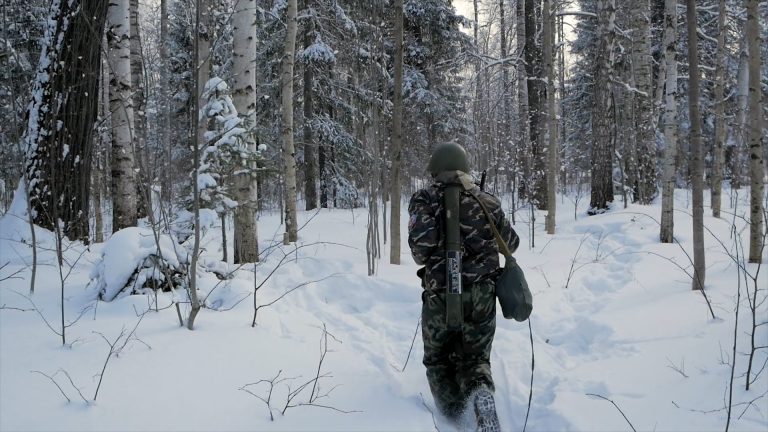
[{"x": 458, "y": 312}]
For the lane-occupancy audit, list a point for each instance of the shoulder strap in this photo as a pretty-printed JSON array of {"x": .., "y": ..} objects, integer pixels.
[{"x": 503, "y": 248}]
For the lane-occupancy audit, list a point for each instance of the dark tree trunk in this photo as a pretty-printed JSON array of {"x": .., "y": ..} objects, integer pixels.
[
  {"x": 602, "y": 114},
  {"x": 310, "y": 158},
  {"x": 64, "y": 106},
  {"x": 533, "y": 63}
]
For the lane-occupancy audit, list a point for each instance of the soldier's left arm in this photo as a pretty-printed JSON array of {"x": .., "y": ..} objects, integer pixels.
[
  {"x": 422, "y": 227},
  {"x": 505, "y": 229}
]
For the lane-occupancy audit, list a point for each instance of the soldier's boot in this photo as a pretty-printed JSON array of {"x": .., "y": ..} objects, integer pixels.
[{"x": 485, "y": 412}]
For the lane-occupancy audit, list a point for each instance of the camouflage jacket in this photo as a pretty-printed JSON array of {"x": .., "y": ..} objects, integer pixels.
[{"x": 426, "y": 232}]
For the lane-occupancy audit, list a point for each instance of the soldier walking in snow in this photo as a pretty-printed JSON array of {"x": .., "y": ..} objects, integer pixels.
[{"x": 451, "y": 233}]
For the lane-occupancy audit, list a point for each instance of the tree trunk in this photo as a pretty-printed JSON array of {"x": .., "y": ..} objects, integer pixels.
[
  {"x": 121, "y": 106},
  {"x": 164, "y": 128},
  {"x": 754, "y": 135},
  {"x": 645, "y": 134},
  {"x": 143, "y": 191},
  {"x": 203, "y": 41},
  {"x": 551, "y": 124},
  {"x": 397, "y": 137},
  {"x": 506, "y": 119},
  {"x": 742, "y": 101},
  {"x": 289, "y": 152},
  {"x": 533, "y": 62},
  {"x": 199, "y": 62},
  {"x": 246, "y": 238},
  {"x": 602, "y": 124},
  {"x": 523, "y": 151},
  {"x": 310, "y": 158},
  {"x": 720, "y": 124},
  {"x": 697, "y": 162},
  {"x": 64, "y": 104},
  {"x": 666, "y": 231}
]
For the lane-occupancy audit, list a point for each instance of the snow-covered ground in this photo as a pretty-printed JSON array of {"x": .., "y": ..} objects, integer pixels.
[{"x": 628, "y": 327}]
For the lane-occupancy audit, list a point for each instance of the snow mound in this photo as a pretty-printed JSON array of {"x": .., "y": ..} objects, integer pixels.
[{"x": 132, "y": 259}]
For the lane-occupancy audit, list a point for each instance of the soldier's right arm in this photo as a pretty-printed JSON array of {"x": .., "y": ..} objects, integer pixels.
[{"x": 422, "y": 228}]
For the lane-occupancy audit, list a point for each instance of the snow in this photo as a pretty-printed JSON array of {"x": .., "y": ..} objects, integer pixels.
[
  {"x": 123, "y": 253},
  {"x": 628, "y": 328}
]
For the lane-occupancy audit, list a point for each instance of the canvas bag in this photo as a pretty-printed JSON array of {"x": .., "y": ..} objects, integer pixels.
[{"x": 511, "y": 287}]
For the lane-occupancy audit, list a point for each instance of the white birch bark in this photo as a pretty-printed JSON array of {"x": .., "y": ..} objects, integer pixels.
[
  {"x": 289, "y": 150},
  {"x": 121, "y": 106},
  {"x": 742, "y": 97},
  {"x": 666, "y": 232},
  {"x": 754, "y": 135},
  {"x": 244, "y": 97},
  {"x": 697, "y": 161}
]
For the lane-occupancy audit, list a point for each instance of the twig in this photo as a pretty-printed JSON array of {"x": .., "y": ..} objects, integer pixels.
[
  {"x": 679, "y": 369},
  {"x": 268, "y": 399},
  {"x": 54, "y": 382},
  {"x": 256, "y": 309},
  {"x": 109, "y": 355},
  {"x": 418, "y": 324},
  {"x": 73, "y": 385},
  {"x": 15, "y": 308},
  {"x": 12, "y": 275},
  {"x": 617, "y": 407},
  {"x": 434, "y": 421},
  {"x": 533, "y": 364}
]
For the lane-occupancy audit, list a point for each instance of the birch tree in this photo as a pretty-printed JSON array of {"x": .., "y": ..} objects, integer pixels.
[
  {"x": 139, "y": 99},
  {"x": 666, "y": 232},
  {"x": 697, "y": 162},
  {"x": 121, "y": 106},
  {"x": 396, "y": 143},
  {"x": 754, "y": 134},
  {"x": 244, "y": 97},
  {"x": 551, "y": 124},
  {"x": 742, "y": 106},
  {"x": 289, "y": 151},
  {"x": 602, "y": 115}
]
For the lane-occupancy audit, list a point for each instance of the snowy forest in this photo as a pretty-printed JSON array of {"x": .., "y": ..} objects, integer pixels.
[{"x": 204, "y": 210}]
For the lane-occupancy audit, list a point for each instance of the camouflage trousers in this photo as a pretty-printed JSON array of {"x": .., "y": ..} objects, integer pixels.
[{"x": 458, "y": 362}]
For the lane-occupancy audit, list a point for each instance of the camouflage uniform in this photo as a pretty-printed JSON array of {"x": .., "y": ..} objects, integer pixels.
[{"x": 457, "y": 362}]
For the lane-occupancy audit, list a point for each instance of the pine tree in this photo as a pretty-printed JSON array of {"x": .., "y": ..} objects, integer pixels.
[
  {"x": 58, "y": 146},
  {"x": 603, "y": 134}
]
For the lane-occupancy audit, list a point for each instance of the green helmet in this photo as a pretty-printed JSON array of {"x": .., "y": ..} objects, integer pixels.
[{"x": 448, "y": 157}]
